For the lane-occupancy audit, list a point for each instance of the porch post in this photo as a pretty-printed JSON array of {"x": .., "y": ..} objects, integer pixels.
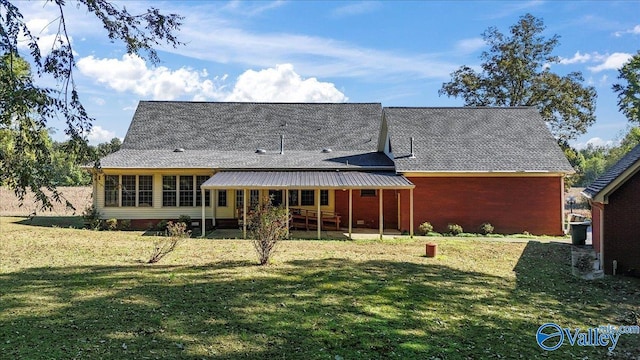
[
  {"x": 319, "y": 213},
  {"x": 411, "y": 212},
  {"x": 244, "y": 213},
  {"x": 380, "y": 208},
  {"x": 202, "y": 205},
  {"x": 350, "y": 212},
  {"x": 214, "y": 200},
  {"x": 286, "y": 200}
]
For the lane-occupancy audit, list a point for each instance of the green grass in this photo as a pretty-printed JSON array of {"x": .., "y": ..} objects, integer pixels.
[{"x": 71, "y": 293}]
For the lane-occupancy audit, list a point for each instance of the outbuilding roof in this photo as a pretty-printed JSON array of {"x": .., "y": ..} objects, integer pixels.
[
  {"x": 615, "y": 176},
  {"x": 473, "y": 139}
]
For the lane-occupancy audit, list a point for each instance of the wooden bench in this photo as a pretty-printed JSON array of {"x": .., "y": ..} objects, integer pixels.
[{"x": 308, "y": 219}]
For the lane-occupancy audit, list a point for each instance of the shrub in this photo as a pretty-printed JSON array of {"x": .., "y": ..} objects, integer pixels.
[
  {"x": 434, "y": 234},
  {"x": 111, "y": 224},
  {"x": 176, "y": 232},
  {"x": 124, "y": 224},
  {"x": 486, "y": 229},
  {"x": 267, "y": 226},
  {"x": 455, "y": 229},
  {"x": 91, "y": 218},
  {"x": 185, "y": 219},
  {"x": 425, "y": 228},
  {"x": 161, "y": 225}
]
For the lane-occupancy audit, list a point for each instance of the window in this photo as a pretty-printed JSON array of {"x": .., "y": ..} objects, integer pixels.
[
  {"x": 306, "y": 197},
  {"x": 293, "y": 198},
  {"x": 324, "y": 197},
  {"x": 276, "y": 197},
  {"x": 145, "y": 190},
  {"x": 239, "y": 199},
  {"x": 368, "y": 193},
  {"x": 169, "y": 191},
  {"x": 186, "y": 191},
  {"x": 111, "y": 190},
  {"x": 222, "y": 198},
  {"x": 254, "y": 198},
  {"x": 128, "y": 190},
  {"x": 200, "y": 180}
]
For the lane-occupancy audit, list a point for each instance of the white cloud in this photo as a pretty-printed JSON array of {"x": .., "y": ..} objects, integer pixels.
[
  {"x": 311, "y": 55},
  {"x": 595, "y": 142},
  {"x": 132, "y": 74},
  {"x": 357, "y": 8},
  {"x": 282, "y": 84},
  {"x": 41, "y": 29},
  {"x": 635, "y": 31},
  {"x": 470, "y": 45},
  {"x": 577, "y": 58},
  {"x": 100, "y": 135},
  {"x": 611, "y": 62}
]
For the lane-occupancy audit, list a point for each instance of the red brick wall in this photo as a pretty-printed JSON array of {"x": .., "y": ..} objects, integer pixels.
[
  {"x": 622, "y": 229},
  {"x": 511, "y": 204},
  {"x": 366, "y": 208}
]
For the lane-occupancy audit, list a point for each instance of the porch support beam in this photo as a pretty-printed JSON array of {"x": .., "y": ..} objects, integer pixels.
[
  {"x": 380, "y": 208},
  {"x": 319, "y": 213},
  {"x": 244, "y": 213},
  {"x": 411, "y": 212},
  {"x": 286, "y": 201},
  {"x": 214, "y": 202},
  {"x": 350, "y": 213},
  {"x": 203, "y": 214}
]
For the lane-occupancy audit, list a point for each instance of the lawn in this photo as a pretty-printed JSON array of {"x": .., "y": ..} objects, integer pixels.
[{"x": 70, "y": 293}]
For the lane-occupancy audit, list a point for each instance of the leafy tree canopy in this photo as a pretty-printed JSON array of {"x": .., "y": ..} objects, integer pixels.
[
  {"x": 25, "y": 107},
  {"x": 629, "y": 89},
  {"x": 516, "y": 72}
]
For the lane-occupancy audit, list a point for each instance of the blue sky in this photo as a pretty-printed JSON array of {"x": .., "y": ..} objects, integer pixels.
[{"x": 393, "y": 52}]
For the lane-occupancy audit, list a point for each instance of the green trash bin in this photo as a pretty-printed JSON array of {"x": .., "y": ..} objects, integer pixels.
[{"x": 579, "y": 232}]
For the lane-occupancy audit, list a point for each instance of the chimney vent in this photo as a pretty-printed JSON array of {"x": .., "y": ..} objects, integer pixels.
[
  {"x": 281, "y": 144},
  {"x": 413, "y": 155}
]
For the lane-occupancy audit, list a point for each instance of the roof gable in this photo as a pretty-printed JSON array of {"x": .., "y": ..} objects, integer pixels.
[
  {"x": 473, "y": 139},
  {"x": 613, "y": 178},
  {"x": 219, "y": 126}
]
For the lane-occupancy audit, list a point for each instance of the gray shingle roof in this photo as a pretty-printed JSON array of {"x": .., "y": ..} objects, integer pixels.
[
  {"x": 291, "y": 159},
  {"x": 613, "y": 173},
  {"x": 473, "y": 139},
  {"x": 218, "y": 126}
]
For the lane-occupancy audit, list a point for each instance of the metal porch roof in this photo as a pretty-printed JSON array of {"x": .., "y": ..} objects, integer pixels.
[{"x": 307, "y": 180}]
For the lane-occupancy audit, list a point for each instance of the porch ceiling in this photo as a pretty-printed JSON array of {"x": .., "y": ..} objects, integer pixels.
[{"x": 307, "y": 180}]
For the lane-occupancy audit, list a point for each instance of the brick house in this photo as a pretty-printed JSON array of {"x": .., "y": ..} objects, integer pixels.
[{"x": 358, "y": 163}]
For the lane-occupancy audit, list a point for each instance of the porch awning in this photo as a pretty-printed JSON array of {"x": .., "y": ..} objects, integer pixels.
[{"x": 307, "y": 180}]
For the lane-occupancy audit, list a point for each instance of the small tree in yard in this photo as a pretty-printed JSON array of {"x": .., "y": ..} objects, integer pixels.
[
  {"x": 267, "y": 225},
  {"x": 176, "y": 232}
]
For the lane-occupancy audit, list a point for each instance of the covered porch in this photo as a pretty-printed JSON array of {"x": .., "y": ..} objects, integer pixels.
[{"x": 313, "y": 182}]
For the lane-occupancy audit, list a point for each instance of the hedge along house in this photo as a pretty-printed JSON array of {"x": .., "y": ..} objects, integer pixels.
[
  {"x": 336, "y": 165},
  {"x": 615, "y": 205}
]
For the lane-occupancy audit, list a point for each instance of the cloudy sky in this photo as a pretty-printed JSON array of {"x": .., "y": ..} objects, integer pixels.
[{"x": 396, "y": 53}]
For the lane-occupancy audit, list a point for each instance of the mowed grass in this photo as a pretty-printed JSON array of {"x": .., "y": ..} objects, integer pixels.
[{"x": 77, "y": 294}]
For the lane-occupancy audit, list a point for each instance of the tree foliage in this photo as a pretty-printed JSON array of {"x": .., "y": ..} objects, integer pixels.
[
  {"x": 592, "y": 161},
  {"x": 515, "y": 72},
  {"x": 26, "y": 108},
  {"x": 629, "y": 89},
  {"x": 267, "y": 225}
]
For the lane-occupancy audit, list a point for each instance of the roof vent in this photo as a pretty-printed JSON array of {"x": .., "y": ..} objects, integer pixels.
[
  {"x": 326, "y": 150},
  {"x": 413, "y": 155},
  {"x": 281, "y": 144},
  {"x": 261, "y": 151},
  {"x": 178, "y": 150}
]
